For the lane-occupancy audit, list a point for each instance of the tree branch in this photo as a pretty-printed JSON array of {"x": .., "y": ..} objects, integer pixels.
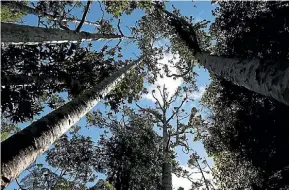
[
  {"x": 118, "y": 26},
  {"x": 178, "y": 108},
  {"x": 83, "y": 16},
  {"x": 203, "y": 176},
  {"x": 19, "y": 184},
  {"x": 158, "y": 102},
  {"x": 154, "y": 113},
  {"x": 189, "y": 69}
]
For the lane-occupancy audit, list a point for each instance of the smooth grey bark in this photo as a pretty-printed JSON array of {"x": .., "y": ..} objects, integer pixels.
[
  {"x": 267, "y": 77},
  {"x": 167, "y": 165},
  {"x": 22, "y": 149},
  {"x": 30, "y": 35},
  {"x": 13, "y": 5}
]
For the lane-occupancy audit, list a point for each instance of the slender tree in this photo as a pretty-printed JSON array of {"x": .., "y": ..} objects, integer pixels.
[
  {"x": 169, "y": 108},
  {"x": 20, "y": 34},
  {"x": 267, "y": 77},
  {"x": 35, "y": 139}
]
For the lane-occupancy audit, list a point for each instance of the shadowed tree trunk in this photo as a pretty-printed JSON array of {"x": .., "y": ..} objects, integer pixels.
[
  {"x": 267, "y": 77},
  {"x": 22, "y": 149},
  {"x": 167, "y": 166},
  {"x": 167, "y": 176},
  {"x": 13, "y": 5},
  {"x": 30, "y": 35}
]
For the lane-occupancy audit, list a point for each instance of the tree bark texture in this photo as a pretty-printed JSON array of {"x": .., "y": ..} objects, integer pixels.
[
  {"x": 167, "y": 165},
  {"x": 167, "y": 176},
  {"x": 30, "y": 35},
  {"x": 22, "y": 149},
  {"x": 267, "y": 77}
]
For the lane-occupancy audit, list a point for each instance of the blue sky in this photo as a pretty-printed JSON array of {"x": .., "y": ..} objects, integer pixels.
[{"x": 201, "y": 11}]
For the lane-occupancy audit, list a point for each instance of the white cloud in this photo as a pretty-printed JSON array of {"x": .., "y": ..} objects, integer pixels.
[
  {"x": 168, "y": 82},
  {"x": 185, "y": 183},
  {"x": 197, "y": 95},
  {"x": 181, "y": 182}
]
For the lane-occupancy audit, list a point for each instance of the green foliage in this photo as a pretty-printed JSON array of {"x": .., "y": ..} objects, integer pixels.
[
  {"x": 131, "y": 156},
  {"x": 261, "y": 25},
  {"x": 76, "y": 156},
  {"x": 128, "y": 153},
  {"x": 126, "y": 88},
  {"x": 7, "y": 129},
  {"x": 74, "y": 70},
  {"x": 117, "y": 8},
  {"x": 11, "y": 16},
  {"x": 251, "y": 131},
  {"x": 108, "y": 186}
]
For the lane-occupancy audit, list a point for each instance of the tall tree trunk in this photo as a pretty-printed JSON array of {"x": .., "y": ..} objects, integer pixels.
[
  {"x": 30, "y": 35},
  {"x": 167, "y": 165},
  {"x": 13, "y": 5},
  {"x": 167, "y": 176},
  {"x": 22, "y": 149},
  {"x": 267, "y": 77}
]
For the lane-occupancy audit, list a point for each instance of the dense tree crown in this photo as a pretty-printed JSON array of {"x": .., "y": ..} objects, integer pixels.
[{"x": 66, "y": 63}]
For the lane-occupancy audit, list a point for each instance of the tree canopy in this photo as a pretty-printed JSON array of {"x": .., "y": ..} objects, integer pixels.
[{"x": 143, "y": 72}]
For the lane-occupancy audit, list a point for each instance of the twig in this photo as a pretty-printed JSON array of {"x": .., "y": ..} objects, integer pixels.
[
  {"x": 178, "y": 108},
  {"x": 154, "y": 113},
  {"x": 157, "y": 100},
  {"x": 69, "y": 10},
  {"x": 101, "y": 10},
  {"x": 19, "y": 184}
]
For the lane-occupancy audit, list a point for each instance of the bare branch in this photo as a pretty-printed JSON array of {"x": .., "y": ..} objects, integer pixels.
[
  {"x": 203, "y": 176},
  {"x": 101, "y": 10},
  {"x": 174, "y": 97},
  {"x": 118, "y": 26},
  {"x": 83, "y": 16},
  {"x": 158, "y": 102},
  {"x": 154, "y": 113},
  {"x": 189, "y": 69},
  {"x": 178, "y": 108},
  {"x": 69, "y": 10},
  {"x": 19, "y": 184},
  {"x": 185, "y": 117}
]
